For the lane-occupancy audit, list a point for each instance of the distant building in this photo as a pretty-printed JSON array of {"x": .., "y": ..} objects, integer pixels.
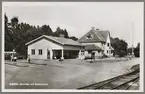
[
  {"x": 97, "y": 41},
  {"x": 49, "y": 47}
]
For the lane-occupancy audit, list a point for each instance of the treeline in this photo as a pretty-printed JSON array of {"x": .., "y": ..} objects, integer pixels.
[
  {"x": 17, "y": 34},
  {"x": 121, "y": 48}
]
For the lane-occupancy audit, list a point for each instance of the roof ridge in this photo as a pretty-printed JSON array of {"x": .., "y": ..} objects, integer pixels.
[
  {"x": 59, "y": 37},
  {"x": 84, "y": 35},
  {"x": 54, "y": 39},
  {"x": 34, "y": 40},
  {"x": 62, "y": 41}
]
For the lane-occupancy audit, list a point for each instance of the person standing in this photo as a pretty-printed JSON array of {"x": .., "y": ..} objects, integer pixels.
[
  {"x": 12, "y": 57},
  {"x": 92, "y": 57},
  {"x": 28, "y": 59},
  {"x": 15, "y": 60}
]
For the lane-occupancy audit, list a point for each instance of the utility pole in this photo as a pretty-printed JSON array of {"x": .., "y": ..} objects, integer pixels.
[{"x": 132, "y": 38}]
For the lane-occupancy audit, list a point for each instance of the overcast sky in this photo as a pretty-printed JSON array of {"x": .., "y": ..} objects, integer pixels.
[{"x": 120, "y": 18}]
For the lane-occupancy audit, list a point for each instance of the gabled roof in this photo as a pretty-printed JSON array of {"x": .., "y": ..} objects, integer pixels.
[
  {"x": 59, "y": 40},
  {"x": 92, "y": 47},
  {"x": 111, "y": 48},
  {"x": 104, "y": 34},
  {"x": 99, "y": 36}
]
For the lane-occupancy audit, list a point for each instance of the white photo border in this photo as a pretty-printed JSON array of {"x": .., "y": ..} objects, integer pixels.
[{"x": 65, "y": 90}]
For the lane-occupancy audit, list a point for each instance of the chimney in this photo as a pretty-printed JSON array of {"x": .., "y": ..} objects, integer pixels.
[
  {"x": 61, "y": 35},
  {"x": 93, "y": 28}
]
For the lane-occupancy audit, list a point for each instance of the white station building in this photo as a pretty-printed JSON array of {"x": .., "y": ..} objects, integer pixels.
[
  {"x": 97, "y": 41},
  {"x": 49, "y": 47}
]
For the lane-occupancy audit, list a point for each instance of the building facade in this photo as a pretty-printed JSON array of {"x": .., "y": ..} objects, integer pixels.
[
  {"x": 48, "y": 47},
  {"x": 98, "y": 42}
]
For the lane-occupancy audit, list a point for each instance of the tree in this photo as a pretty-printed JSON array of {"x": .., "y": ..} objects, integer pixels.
[
  {"x": 120, "y": 46},
  {"x": 122, "y": 53},
  {"x": 60, "y": 31},
  {"x": 66, "y": 33},
  {"x": 137, "y": 50},
  {"x": 14, "y": 21},
  {"x": 46, "y": 30},
  {"x": 6, "y": 21},
  {"x": 56, "y": 33},
  {"x": 8, "y": 36}
]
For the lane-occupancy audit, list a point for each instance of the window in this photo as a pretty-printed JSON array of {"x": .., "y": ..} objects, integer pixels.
[
  {"x": 89, "y": 51},
  {"x": 90, "y": 36},
  {"x": 40, "y": 51},
  {"x": 107, "y": 44},
  {"x": 82, "y": 53},
  {"x": 111, "y": 51},
  {"x": 99, "y": 51},
  {"x": 33, "y": 51},
  {"x": 107, "y": 51}
]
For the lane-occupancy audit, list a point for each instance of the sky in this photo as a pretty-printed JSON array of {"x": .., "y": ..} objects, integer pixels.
[{"x": 122, "y": 19}]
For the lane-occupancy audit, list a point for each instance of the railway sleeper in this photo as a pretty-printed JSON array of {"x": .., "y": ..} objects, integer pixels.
[
  {"x": 108, "y": 84},
  {"x": 132, "y": 80}
]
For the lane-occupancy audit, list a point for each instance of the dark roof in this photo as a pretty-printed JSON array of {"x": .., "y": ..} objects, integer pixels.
[
  {"x": 62, "y": 41},
  {"x": 104, "y": 34},
  {"x": 99, "y": 36},
  {"x": 92, "y": 47}
]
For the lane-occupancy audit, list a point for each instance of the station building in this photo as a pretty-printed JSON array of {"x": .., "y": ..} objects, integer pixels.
[{"x": 49, "y": 47}]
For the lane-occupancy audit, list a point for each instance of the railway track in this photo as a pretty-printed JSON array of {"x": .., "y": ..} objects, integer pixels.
[{"x": 122, "y": 82}]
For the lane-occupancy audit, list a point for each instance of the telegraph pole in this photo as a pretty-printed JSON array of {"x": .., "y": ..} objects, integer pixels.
[{"x": 132, "y": 38}]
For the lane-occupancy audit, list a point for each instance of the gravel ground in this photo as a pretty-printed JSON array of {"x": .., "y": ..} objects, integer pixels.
[{"x": 69, "y": 74}]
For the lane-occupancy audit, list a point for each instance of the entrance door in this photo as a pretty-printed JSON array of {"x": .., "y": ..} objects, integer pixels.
[{"x": 48, "y": 54}]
